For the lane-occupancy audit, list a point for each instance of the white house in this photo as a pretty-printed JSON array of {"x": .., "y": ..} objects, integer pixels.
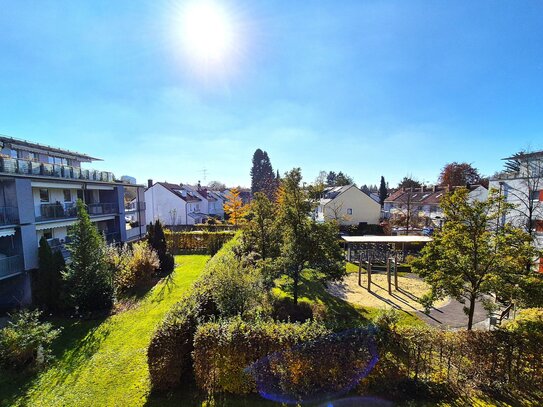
[
  {"x": 348, "y": 205},
  {"x": 173, "y": 204}
]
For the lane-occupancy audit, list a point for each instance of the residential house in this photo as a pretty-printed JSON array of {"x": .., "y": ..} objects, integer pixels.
[
  {"x": 423, "y": 204},
  {"x": 348, "y": 205},
  {"x": 173, "y": 204},
  {"x": 522, "y": 186},
  {"x": 39, "y": 187}
]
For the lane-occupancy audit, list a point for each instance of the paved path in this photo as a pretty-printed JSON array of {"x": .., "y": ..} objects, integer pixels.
[{"x": 452, "y": 316}]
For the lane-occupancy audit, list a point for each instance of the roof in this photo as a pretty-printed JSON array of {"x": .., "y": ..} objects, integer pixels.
[
  {"x": 525, "y": 156},
  {"x": 19, "y": 143},
  {"x": 176, "y": 190},
  {"x": 422, "y": 196},
  {"x": 386, "y": 239}
]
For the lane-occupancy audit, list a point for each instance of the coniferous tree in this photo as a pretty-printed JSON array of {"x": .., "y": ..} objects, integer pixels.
[
  {"x": 88, "y": 281},
  {"x": 262, "y": 175},
  {"x": 157, "y": 240},
  {"x": 383, "y": 191},
  {"x": 47, "y": 281}
]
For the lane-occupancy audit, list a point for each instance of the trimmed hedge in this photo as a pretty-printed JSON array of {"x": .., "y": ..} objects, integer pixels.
[
  {"x": 197, "y": 242},
  {"x": 169, "y": 353},
  {"x": 223, "y": 350}
]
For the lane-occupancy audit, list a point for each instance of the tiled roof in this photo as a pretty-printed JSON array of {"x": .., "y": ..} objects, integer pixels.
[
  {"x": 176, "y": 190},
  {"x": 421, "y": 196}
]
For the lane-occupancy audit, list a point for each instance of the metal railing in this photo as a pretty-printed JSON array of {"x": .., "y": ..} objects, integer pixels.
[
  {"x": 27, "y": 167},
  {"x": 12, "y": 265},
  {"x": 68, "y": 210},
  {"x": 9, "y": 215},
  {"x": 102, "y": 208}
]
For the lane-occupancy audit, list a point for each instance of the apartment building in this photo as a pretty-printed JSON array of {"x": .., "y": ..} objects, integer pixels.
[
  {"x": 39, "y": 187},
  {"x": 522, "y": 185}
]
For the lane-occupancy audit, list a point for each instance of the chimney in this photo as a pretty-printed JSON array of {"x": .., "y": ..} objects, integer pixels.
[{"x": 149, "y": 183}]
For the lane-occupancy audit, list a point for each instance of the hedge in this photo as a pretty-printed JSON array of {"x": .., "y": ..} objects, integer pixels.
[
  {"x": 223, "y": 350},
  {"x": 197, "y": 242}
]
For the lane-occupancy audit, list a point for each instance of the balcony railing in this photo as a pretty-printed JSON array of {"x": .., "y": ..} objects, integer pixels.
[
  {"x": 102, "y": 208},
  {"x": 9, "y": 215},
  {"x": 10, "y": 266},
  {"x": 134, "y": 207},
  {"x": 27, "y": 167},
  {"x": 68, "y": 210}
]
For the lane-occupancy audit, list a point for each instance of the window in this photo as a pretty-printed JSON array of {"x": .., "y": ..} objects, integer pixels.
[
  {"x": 44, "y": 195},
  {"x": 13, "y": 153},
  {"x": 349, "y": 211},
  {"x": 31, "y": 156},
  {"x": 67, "y": 195}
]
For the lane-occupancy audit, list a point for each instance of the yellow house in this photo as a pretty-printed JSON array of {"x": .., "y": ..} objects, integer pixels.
[{"x": 348, "y": 205}]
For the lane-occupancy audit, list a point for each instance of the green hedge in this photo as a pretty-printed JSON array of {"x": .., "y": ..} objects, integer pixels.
[
  {"x": 197, "y": 242},
  {"x": 223, "y": 350},
  {"x": 169, "y": 353}
]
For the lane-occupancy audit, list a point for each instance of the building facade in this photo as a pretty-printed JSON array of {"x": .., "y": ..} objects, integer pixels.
[
  {"x": 39, "y": 187},
  {"x": 522, "y": 186},
  {"x": 347, "y": 205}
]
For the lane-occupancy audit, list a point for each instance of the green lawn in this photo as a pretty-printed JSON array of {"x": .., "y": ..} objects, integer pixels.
[
  {"x": 344, "y": 314},
  {"x": 103, "y": 362}
]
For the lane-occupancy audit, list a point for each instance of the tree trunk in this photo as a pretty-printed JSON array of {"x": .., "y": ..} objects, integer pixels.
[
  {"x": 472, "y": 298},
  {"x": 295, "y": 288}
]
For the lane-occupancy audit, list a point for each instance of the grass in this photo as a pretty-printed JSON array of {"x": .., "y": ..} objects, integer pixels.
[
  {"x": 103, "y": 362},
  {"x": 344, "y": 314}
]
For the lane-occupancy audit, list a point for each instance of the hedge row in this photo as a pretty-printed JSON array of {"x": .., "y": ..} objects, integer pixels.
[
  {"x": 509, "y": 360},
  {"x": 223, "y": 350},
  {"x": 197, "y": 242}
]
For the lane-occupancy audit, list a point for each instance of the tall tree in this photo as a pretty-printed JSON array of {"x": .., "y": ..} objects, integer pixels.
[
  {"x": 47, "y": 280},
  {"x": 216, "y": 186},
  {"x": 459, "y": 174},
  {"x": 88, "y": 282},
  {"x": 473, "y": 255},
  {"x": 409, "y": 182},
  {"x": 343, "y": 179},
  {"x": 304, "y": 242},
  {"x": 383, "y": 191},
  {"x": 234, "y": 207},
  {"x": 262, "y": 175},
  {"x": 260, "y": 231}
]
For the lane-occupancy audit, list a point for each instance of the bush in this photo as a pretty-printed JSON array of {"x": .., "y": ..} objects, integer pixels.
[
  {"x": 47, "y": 279},
  {"x": 157, "y": 240},
  {"x": 285, "y": 310},
  {"x": 223, "y": 350},
  {"x": 133, "y": 268},
  {"x": 528, "y": 320},
  {"x": 226, "y": 287},
  {"x": 25, "y": 341}
]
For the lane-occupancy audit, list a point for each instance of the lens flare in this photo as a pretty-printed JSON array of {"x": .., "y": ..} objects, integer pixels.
[{"x": 302, "y": 375}]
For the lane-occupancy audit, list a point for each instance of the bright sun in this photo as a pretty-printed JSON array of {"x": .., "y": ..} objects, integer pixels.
[{"x": 208, "y": 33}]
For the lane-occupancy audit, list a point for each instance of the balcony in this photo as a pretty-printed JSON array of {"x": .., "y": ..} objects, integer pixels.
[
  {"x": 68, "y": 210},
  {"x": 134, "y": 207},
  {"x": 27, "y": 167},
  {"x": 9, "y": 215},
  {"x": 11, "y": 266}
]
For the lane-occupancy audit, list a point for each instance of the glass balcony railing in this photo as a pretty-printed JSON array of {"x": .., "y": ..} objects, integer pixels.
[
  {"x": 9, "y": 215},
  {"x": 26, "y": 167},
  {"x": 11, "y": 265},
  {"x": 59, "y": 210},
  {"x": 134, "y": 207}
]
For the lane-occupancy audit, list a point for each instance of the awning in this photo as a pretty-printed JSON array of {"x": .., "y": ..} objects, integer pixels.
[{"x": 7, "y": 232}]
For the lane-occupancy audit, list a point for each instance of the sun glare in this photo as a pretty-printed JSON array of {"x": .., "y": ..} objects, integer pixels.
[{"x": 208, "y": 32}]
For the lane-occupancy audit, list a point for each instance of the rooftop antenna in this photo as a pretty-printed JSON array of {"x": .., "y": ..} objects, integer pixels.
[{"x": 204, "y": 174}]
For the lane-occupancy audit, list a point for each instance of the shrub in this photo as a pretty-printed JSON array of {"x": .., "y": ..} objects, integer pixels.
[
  {"x": 226, "y": 287},
  {"x": 528, "y": 320},
  {"x": 26, "y": 341},
  {"x": 47, "y": 280},
  {"x": 284, "y": 309},
  {"x": 223, "y": 350},
  {"x": 133, "y": 268}
]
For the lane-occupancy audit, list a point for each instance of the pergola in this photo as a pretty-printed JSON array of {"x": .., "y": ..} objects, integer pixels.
[{"x": 383, "y": 249}]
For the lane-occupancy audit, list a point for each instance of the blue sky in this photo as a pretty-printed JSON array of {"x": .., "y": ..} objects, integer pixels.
[{"x": 369, "y": 88}]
